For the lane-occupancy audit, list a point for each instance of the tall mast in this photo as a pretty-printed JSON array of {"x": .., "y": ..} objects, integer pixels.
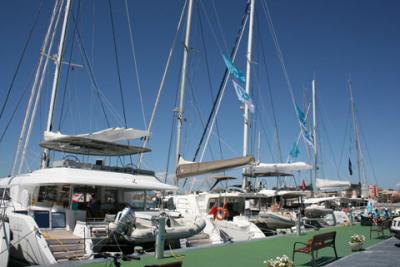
[
  {"x": 39, "y": 70},
  {"x": 314, "y": 135},
  {"x": 179, "y": 110},
  {"x": 57, "y": 62},
  {"x": 246, "y": 122},
  {"x": 357, "y": 140}
]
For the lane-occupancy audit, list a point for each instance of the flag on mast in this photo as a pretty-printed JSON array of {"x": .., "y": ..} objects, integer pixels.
[
  {"x": 308, "y": 137},
  {"x": 350, "y": 167},
  {"x": 234, "y": 71},
  {"x": 294, "y": 152},
  {"x": 243, "y": 96}
]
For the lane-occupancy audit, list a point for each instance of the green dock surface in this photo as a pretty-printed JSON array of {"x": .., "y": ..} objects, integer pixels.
[{"x": 254, "y": 253}]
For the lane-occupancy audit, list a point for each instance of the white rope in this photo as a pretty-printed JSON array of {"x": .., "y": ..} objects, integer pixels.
[
  {"x": 161, "y": 87},
  {"x": 279, "y": 51},
  {"x": 221, "y": 50},
  {"x": 135, "y": 62}
]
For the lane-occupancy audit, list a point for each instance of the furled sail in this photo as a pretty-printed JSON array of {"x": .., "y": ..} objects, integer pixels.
[
  {"x": 188, "y": 168},
  {"x": 328, "y": 184},
  {"x": 101, "y": 143},
  {"x": 276, "y": 169}
]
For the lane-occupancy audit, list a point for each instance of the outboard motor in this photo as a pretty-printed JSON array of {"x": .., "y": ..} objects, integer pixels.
[{"x": 125, "y": 224}]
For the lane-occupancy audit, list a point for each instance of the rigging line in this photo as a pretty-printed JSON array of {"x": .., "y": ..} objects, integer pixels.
[
  {"x": 18, "y": 102},
  {"x": 36, "y": 89},
  {"x": 263, "y": 122},
  {"x": 209, "y": 75},
  {"x": 269, "y": 89},
  {"x": 279, "y": 52},
  {"x": 89, "y": 69},
  {"x": 219, "y": 24},
  {"x": 195, "y": 105},
  {"x": 366, "y": 147},
  {"x": 328, "y": 139},
  {"x": 68, "y": 69},
  {"x": 118, "y": 72},
  {"x": 12, "y": 115},
  {"x": 39, "y": 70},
  {"x": 173, "y": 124},
  {"x": 117, "y": 63},
  {"x": 161, "y": 87},
  {"x": 345, "y": 137},
  {"x": 221, "y": 50},
  {"x": 223, "y": 83},
  {"x": 135, "y": 62},
  {"x": 21, "y": 58}
]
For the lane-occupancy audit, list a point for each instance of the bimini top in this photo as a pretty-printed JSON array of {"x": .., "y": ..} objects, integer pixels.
[
  {"x": 282, "y": 193},
  {"x": 276, "y": 169},
  {"x": 102, "y": 143},
  {"x": 325, "y": 184},
  {"x": 188, "y": 168},
  {"x": 53, "y": 176}
]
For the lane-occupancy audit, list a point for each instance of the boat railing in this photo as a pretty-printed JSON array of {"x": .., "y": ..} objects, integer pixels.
[{"x": 68, "y": 163}]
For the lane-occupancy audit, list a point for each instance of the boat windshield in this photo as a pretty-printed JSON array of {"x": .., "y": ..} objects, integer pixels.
[{"x": 97, "y": 201}]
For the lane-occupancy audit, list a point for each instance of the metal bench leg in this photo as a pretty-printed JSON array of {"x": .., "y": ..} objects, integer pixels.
[
  {"x": 293, "y": 255},
  {"x": 334, "y": 249},
  {"x": 313, "y": 258}
]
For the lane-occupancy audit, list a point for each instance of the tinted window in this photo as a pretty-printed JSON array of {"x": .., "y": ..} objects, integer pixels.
[
  {"x": 58, "y": 220},
  {"x": 42, "y": 218}
]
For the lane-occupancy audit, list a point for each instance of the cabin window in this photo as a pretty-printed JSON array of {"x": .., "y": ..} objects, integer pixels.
[
  {"x": 42, "y": 218},
  {"x": 54, "y": 194},
  {"x": 136, "y": 199},
  {"x": 58, "y": 219}
]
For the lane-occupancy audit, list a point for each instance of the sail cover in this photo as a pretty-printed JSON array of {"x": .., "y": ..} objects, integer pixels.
[
  {"x": 189, "y": 168},
  {"x": 101, "y": 143},
  {"x": 276, "y": 169},
  {"x": 328, "y": 184}
]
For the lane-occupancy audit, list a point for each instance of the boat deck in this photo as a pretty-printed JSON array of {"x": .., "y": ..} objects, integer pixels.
[
  {"x": 59, "y": 235},
  {"x": 254, "y": 253}
]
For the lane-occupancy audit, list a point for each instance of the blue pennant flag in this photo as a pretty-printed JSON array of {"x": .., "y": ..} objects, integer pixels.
[
  {"x": 243, "y": 96},
  {"x": 294, "y": 152},
  {"x": 234, "y": 71},
  {"x": 301, "y": 116},
  {"x": 308, "y": 137}
]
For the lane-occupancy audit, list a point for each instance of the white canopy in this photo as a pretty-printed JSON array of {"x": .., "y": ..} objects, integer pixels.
[
  {"x": 107, "y": 135},
  {"x": 53, "y": 176},
  {"x": 283, "y": 193},
  {"x": 316, "y": 200},
  {"x": 265, "y": 169},
  {"x": 328, "y": 184},
  {"x": 102, "y": 143}
]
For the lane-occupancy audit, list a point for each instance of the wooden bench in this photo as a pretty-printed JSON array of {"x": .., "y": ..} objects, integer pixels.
[
  {"x": 380, "y": 227},
  {"x": 169, "y": 264},
  {"x": 318, "y": 242}
]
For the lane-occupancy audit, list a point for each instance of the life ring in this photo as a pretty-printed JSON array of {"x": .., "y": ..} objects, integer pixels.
[{"x": 222, "y": 213}]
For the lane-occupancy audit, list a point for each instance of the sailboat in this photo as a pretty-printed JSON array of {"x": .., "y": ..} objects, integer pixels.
[{"x": 70, "y": 209}]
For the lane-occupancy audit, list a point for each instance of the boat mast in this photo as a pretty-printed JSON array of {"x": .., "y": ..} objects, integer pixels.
[
  {"x": 39, "y": 70},
  {"x": 179, "y": 109},
  {"x": 361, "y": 177},
  {"x": 246, "y": 122},
  {"x": 57, "y": 62},
  {"x": 313, "y": 84}
]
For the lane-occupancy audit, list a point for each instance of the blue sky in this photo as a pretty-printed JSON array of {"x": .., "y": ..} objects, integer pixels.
[{"x": 331, "y": 40}]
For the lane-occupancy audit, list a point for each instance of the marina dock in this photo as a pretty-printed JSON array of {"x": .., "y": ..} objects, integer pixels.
[{"x": 254, "y": 253}]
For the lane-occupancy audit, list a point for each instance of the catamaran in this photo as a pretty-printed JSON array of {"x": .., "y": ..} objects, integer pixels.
[{"x": 69, "y": 209}]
